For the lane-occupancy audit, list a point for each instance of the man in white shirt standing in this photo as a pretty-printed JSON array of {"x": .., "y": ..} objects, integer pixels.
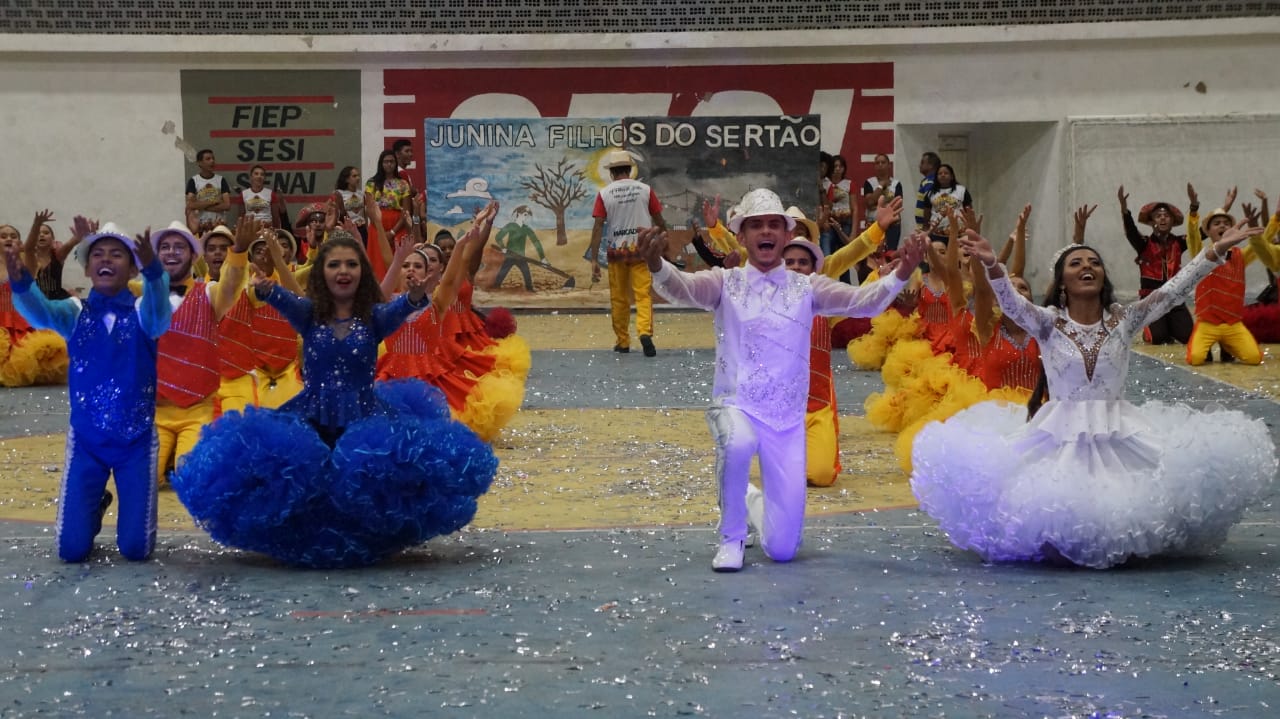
[
  {"x": 208, "y": 196},
  {"x": 627, "y": 205},
  {"x": 763, "y": 317}
]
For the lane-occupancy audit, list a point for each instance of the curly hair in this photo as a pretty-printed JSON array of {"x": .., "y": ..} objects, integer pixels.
[{"x": 367, "y": 292}]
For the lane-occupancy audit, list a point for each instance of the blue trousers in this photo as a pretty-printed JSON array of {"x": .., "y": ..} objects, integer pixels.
[{"x": 90, "y": 460}]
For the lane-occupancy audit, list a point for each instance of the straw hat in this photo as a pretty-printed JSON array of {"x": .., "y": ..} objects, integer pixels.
[
  {"x": 619, "y": 158},
  {"x": 758, "y": 203},
  {"x": 222, "y": 230},
  {"x": 109, "y": 231},
  {"x": 1220, "y": 212},
  {"x": 285, "y": 236},
  {"x": 810, "y": 225}
]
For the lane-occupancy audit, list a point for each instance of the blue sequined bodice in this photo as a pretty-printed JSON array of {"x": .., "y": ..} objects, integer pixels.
[{"x": 338, "y": 375}]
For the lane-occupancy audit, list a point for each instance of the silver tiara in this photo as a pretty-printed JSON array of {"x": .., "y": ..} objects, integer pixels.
[{"x": 1058, "y": 255}]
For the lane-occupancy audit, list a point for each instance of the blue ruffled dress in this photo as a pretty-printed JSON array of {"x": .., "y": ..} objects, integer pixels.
[{"x": 346, "y": 473}]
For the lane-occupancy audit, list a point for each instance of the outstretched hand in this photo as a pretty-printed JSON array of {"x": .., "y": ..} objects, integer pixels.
[
  {"x": 247, "y": 229},
  {"x": 1124, "y": 199},
  {"x": 650, "y": 243},
  {"x": 417, "y": 288},
  {"x": 1235, "y": 236},
  {"x": 43, "y": 217},
  {"x": 910, "y": 253},
  {"x": 887, "y": 214},
  {"x": 13, "y": 263},
  {"x": 978, "y": 247},
  {"x": 82, "y": 227},
  {"x": 711, "y": 212},
  {"x": 262, "y": 282},
  {"x": 146, "y": 253}
]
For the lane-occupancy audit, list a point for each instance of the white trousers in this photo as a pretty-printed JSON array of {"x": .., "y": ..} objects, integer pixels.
[{"x": 738, "y": 438}]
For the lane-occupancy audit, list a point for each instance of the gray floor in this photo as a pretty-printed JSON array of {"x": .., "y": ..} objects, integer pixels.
[{"x": 878, "y": 616}]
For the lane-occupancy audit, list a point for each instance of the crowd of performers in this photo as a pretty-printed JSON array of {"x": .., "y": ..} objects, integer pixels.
[
  {"x": 303, "y": 409},
  {"x": 318, "y": 411},
  {"x": 1089, "y": 479}
]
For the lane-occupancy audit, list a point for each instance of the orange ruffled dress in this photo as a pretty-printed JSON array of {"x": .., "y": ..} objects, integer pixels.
[
  {"x": 482, "y": 379},
  {"x": 28, "y": 356}
]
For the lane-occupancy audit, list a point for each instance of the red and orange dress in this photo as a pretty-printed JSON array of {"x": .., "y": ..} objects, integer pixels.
[
  {"x": 28, "y": 356},
  {"x": 483, "y": 379}
]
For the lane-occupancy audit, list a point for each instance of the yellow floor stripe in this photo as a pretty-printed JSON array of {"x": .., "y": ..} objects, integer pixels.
[{"x": 561, "y": 469}]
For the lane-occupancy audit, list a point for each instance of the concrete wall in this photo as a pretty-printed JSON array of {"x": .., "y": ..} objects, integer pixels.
[{"x": 85, "y": 119}]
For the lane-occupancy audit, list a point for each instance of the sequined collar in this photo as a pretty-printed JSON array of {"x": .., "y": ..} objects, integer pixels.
[{"x": 1088, "y": 338}]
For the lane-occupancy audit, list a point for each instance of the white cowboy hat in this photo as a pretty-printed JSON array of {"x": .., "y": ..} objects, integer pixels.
[
  {"x": 811, "y": 247},
  {"x": 180, "y": 229},
  {"x": 758, "y": 203},
  {"x": 109, "y": 231}
]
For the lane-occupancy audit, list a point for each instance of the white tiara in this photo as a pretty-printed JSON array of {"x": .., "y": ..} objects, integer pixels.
[{"x": 1058, "y": 255}]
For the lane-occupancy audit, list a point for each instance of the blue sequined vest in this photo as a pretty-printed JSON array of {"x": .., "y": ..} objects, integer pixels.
[{"x": 112, "y": 377}]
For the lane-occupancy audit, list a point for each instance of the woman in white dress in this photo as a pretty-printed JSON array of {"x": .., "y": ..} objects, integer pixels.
[{"x": 1089, "y": 477}]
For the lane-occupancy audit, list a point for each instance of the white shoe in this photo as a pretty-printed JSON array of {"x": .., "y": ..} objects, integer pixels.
[{"x": 728, "y": 557}]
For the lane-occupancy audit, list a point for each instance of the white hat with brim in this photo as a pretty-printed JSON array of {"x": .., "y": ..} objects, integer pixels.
[
  {"x": 109, "y": 231},
  {"x": 619, "y": 158},
  {"x": 759, "y": 203},
  {"x": 177, "y": 228},
  {"x": 811, "y": 247}
]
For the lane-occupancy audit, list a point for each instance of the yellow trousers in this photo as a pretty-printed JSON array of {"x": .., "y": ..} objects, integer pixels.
[
  {"x": 636, "y": 276},
  {"x": 822, "y": 448},
  {"x": 177, "y": 429},
  {"x": 236, "y": 394},
  {"x": 1234, "y": 338},
  {"x": 274, "y": 391}
]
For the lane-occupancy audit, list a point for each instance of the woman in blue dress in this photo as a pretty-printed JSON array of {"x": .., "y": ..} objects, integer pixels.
[{"x": 346, "y": 472}]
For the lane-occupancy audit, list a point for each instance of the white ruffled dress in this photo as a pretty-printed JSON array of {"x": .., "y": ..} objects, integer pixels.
[{"x": 1091, "y": 478}]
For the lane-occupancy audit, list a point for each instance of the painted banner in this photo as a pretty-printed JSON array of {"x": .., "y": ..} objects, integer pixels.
[
  {"x": 855, "y": 103},
  {"x": 546, "y": 173},
  {"x": 301, "y": 126}
]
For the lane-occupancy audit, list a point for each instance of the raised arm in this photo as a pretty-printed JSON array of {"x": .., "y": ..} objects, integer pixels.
[
  {"x": 1018, "y": 263},
  {"x": 1037, "y": 321},
  {"x": 391, "y": 278},
  {"x": 38, "y": 310},
  {"x": 1131, "y": 232},
  {"x": 1264, "y": 246},
  {"x": 954, "y": 279},
  {"x": 484, "y": 228},
  {"x": 697, "y": 289},
  {"x": 866, "y": 243},
  {"x": 287, "y": 278},
  {"x": 836, "y": 299},
  {"x": 225, "y": 292},
  {"x": 154, "y": 308},
  {"x": 1081, "y": 217},
  {"x": 1194, "y": 244},
  {"x": 29, "y": 247},
  {"x": 1180, "y": 286}
]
